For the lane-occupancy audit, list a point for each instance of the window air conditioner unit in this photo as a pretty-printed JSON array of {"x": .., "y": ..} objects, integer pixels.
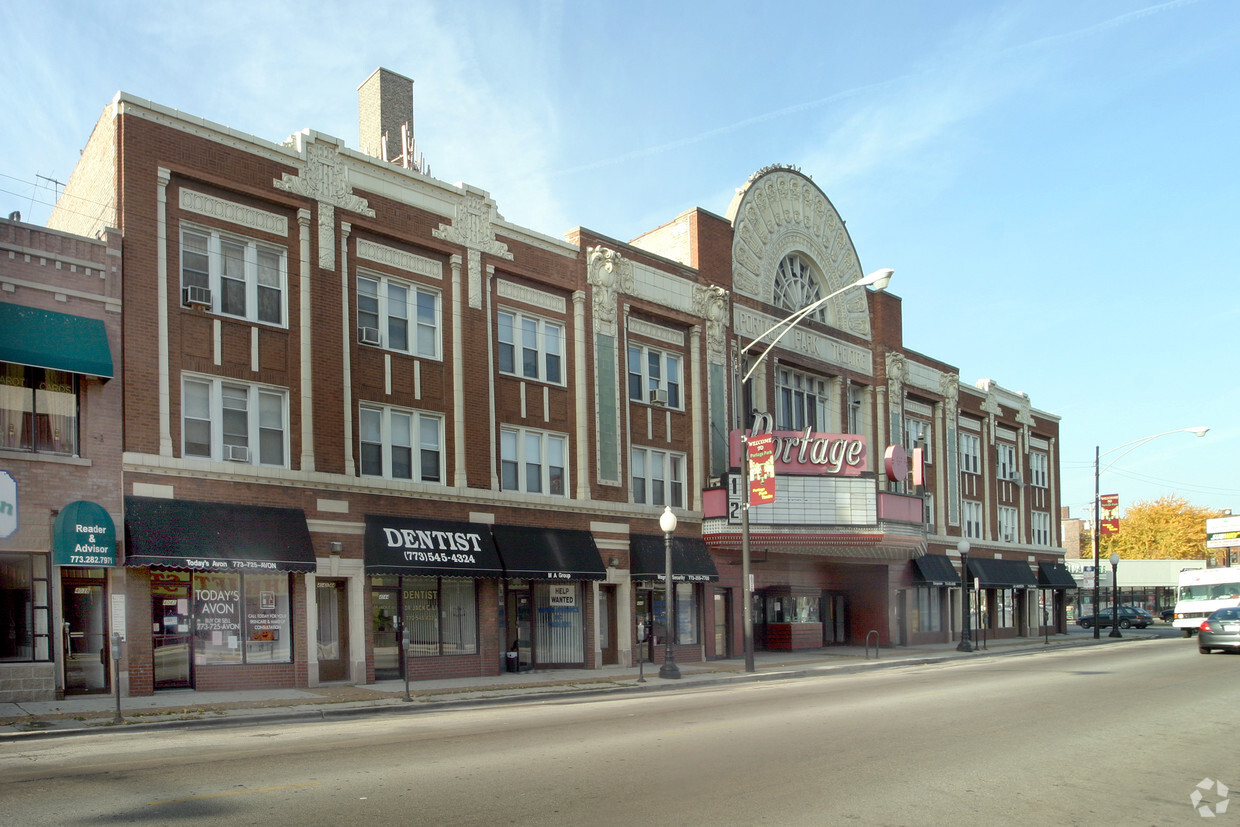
[
  {"x": 194, "y": 296},
  {"x": 658, "y": 397},
  {"x": 237, "y": 453},
  {"x": 368, "y": 335}
]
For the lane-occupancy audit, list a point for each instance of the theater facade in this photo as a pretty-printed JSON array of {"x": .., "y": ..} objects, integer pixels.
[{"x": 373, "y": 430}]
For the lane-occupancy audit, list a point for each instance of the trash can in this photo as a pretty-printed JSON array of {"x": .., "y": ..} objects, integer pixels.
[{"x": 512, "y": 661}]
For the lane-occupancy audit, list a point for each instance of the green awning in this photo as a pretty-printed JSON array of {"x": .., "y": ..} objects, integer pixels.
[{"x": 46, "y": 339}]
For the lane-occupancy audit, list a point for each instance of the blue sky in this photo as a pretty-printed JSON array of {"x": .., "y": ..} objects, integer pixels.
[{"x": 1056, "y": 184}]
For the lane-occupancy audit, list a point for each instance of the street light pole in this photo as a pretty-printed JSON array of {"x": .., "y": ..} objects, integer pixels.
[
  {"x": 966, "y": 599},
  {"x": 1197, "y": 430},
  {"x": 879, "y": 279},
  {"x": 669, "y": 669}
]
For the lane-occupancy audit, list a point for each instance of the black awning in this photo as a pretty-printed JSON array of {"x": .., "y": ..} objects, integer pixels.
[
  {"x": 1055, "y": 576},
  {"x": 399, "y": 545},
  {"x": 691, "y": 561},
  {"x": 548, "y": 553},
  {"x": 181, "y": 534},
  {"x": 935, "y": 568},
  {"x": 47, "y": 339},
  {"x": 1001, "y": 574}
]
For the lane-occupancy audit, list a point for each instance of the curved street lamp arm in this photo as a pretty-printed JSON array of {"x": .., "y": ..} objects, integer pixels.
[
  {"x": 879, "y": 278},
  {"x": 1199, "y": 430}
]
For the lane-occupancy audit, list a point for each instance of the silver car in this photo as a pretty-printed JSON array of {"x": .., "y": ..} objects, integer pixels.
[{"x": 1220, "y": 630}]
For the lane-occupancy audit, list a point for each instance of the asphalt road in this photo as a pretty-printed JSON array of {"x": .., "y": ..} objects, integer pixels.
[{"x": 1115, "y": 734}]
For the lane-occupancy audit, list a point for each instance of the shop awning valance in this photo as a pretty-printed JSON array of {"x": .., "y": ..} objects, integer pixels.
[
  {"x": 1001, "y": 574},
  {"x": 936, "y": 569},
  {"x": 202, "y": 536},
  {"x": 548, "y": 553},
  {"x": 1055, "y": 576},
  {"x": 436, "y": 548},
  {"x": 47, "y": 339},
  {"x": 690, "y": 559}
]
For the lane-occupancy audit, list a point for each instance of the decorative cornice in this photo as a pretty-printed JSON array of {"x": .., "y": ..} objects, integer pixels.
[{"x": 325, "y": 179}]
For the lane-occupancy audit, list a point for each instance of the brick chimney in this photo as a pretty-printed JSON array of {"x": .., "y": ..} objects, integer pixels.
[{"x": 384, "y": 105}]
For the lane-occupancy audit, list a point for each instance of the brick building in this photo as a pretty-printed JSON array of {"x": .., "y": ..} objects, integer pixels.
[
  {"x": 60, "y": 458},
  {"x": 374, "y": 429}
]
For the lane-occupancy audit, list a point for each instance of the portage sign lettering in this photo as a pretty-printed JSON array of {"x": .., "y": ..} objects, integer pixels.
[{"x": 808, "y": 453}]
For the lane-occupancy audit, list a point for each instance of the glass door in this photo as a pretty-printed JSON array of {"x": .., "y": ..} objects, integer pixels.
[
  {"x": 721, "y": 623},
  {"x": 86, "y": 640},
  {"x": 170, "y": 629},
  {"x": 333, "y": 641},
  {"x": 385, "y": 615}
]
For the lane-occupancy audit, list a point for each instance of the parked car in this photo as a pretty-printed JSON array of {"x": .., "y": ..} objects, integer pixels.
[
  {"x": 1167, "y": 615},
  {"x": 1129, "y": 616},
  {"x": 1220, "y": 630}
]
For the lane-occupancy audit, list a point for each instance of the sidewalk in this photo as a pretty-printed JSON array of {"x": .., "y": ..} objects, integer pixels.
[{"x": 189, "y": 708}]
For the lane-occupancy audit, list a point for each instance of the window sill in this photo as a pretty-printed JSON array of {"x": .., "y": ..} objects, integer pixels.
[{"x": 34, "y": 456}]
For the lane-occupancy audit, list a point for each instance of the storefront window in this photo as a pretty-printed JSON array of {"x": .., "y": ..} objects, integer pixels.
[
  {"x": 440, "y": 615},
  {"x": 24, "y": 608},
  {"x": 217, "y": 619},
  {"x": 1004, "y": 608},
  {"x": 929, "y": 609},
  {"x": 267, "y": 619},
  {"x": 686, "y": 613},
  {"x": 231, "y": 608},
  {"x": 559, "y": 634}
]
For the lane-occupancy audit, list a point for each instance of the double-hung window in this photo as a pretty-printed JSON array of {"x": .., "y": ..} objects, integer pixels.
[
  {"x": 399, "y": 316},
  {"x": 856, "y": 414},
  {"x": 972, "y": 519},
  {"x": 401, "y": 444},
  {"x": 1008, "y": 524},
  {"x": 917, "y": 435},
  {"x": 533, "y": 462},
  {"x": 1006, "y": 453},
  {"x": 655, "y": 376},
  {"x": 970, "y": 454},
  {"x": 531, "y": 347},
  {"x": 232, "y": 421},
  {"x": 233, "y": 276},
  {"x": 1040, "y": 528},
  {"x": 1038, "y": 469},
  {"x": 802, "y": 401},
  {"x": 658, "y": 477}
]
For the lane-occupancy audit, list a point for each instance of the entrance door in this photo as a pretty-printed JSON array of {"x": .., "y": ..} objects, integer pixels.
[
  {"x": 86, "y": 646},
  {"x": 170, "y": 627},
  {"x": 901, "y": 618},
  {"x": 833, "y": 611},
  {"x": 385, "y": 608},
  {"x": 721, "y": 623},
  {"x": 607, "y": 624},
  {"x": 333, "y": 641},
  {"x": 520, "y": 614}
]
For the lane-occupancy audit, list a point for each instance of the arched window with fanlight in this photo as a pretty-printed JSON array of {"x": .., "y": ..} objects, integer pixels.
[{"x": 796, "y": 286}]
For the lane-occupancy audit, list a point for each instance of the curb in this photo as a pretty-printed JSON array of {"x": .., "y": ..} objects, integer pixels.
[{"x": 398, "y": 706}]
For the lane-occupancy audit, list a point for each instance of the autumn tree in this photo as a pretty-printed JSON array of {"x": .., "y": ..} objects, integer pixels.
[{"x": 1168, "y": 528}]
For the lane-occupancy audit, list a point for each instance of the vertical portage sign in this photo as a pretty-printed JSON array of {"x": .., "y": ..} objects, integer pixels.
[
  {"x": 1110, "y": 514},
  {"x": 761, "y": 469},
  {"x": 8, "y": 505}
]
